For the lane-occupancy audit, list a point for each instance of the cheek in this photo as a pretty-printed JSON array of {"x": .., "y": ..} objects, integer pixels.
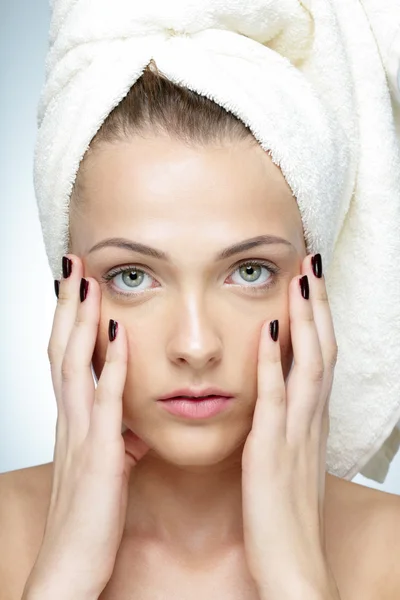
[
  {"x": 138, "y": 355},
  {"x": 100, "y": 349}
]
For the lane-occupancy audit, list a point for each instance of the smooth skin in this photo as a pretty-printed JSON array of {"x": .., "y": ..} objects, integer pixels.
[
  {"x": 285, "y": 478},
  {"x": 192, "y": 490},
  {"x": 92, "y": 465}
]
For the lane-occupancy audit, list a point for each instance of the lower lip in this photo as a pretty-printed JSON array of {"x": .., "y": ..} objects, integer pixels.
[{"x": 196, "y": 409}]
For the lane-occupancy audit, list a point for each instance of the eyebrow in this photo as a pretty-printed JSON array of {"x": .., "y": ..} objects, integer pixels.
[{"x": 261, "y": 240}]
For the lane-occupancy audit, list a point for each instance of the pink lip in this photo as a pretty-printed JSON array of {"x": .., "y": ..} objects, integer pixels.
[
  {"x": 196, "y": 409},
  {"x": 197, "y": 392}
]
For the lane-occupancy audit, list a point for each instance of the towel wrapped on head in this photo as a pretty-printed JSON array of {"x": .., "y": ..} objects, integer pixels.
[{"x": 311, "y": 81}]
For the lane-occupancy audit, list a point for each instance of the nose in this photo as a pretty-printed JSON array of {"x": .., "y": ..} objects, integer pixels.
[{"x": 195, "y": 338}]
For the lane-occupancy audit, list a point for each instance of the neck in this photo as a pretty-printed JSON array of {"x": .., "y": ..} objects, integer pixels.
[{"x": 196, "y": 510}]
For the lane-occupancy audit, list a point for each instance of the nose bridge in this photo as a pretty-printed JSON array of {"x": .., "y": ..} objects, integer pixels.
[{"x": 195, "y": 336}]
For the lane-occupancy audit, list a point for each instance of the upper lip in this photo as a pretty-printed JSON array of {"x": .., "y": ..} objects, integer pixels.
[{"x": 197, "y": 392}]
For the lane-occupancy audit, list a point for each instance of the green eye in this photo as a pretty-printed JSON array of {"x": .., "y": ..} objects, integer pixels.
[
  {"x": 254, "y": 271},
  {"x": 132, "y": 277}
]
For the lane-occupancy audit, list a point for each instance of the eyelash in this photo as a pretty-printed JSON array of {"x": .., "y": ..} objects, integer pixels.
[{"x": 258, "y": 290}]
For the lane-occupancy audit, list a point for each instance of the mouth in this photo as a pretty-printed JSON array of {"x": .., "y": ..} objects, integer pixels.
[
  {"x": 197, "y": 395},
  {"x": 196, "y": 398},
  {"x": 200, "y": 407}
]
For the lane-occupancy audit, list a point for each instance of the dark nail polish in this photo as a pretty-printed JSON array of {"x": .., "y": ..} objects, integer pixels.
[
  {"x": 274, "y": 329},
  {"x": 66, "y": 266},
  {"x": 305, "y": 289},
  {"x": 316, "y": 262},
  {"x": 112, "y": 330},
  {"x": 84, "y": 289},
  {"x": 57, "y": 287}
]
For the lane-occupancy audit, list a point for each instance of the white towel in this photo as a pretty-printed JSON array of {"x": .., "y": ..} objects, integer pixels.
[{"x": 314, "y": 82}]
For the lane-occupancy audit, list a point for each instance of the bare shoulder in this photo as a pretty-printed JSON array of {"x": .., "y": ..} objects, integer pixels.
[
  {"x": 363, "y": 538},
  {"x": 383, "y": 540},
  {"x": 24, "y": 501}
]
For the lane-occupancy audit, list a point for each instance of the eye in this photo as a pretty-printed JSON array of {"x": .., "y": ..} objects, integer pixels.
[
  {"x": 133, "y": 277},
  {"x": 250, "y": 271}
]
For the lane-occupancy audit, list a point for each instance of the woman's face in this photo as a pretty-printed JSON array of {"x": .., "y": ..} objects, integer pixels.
[{"x": 192, "y": 320}]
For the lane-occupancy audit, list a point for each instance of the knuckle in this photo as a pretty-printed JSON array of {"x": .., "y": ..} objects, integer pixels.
[
  {"x": 67, "y": 370},
  {"x": 322, "y": 295},
  {"x": 274, "y": 359},
  {"x": 50, "y": 354},
  {"x": 333, "y": 356},
  {"x": 63, "y": 297},
  {"x": 309, "y": 316},
  {"x": 79, "y": 319},
  {"x": 53, "y": 354},
  {"x": 276, "y": 397},
  {"x": 316, "y": 372}
]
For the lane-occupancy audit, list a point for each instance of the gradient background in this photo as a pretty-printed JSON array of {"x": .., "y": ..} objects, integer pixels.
[{"x": 27, "y": 405}]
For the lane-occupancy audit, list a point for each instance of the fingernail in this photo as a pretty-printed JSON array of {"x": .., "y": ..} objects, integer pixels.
[
  {"x": 274, "y": 329},
  {"x": 316, "y": 262},
  {"x": 305, "y": 289},
  {"x": 66, "y": 266},
  {"x": 84, "y": 289},
  {"x": 112, "y": 330},
  {"x": 57, "y": 287}
]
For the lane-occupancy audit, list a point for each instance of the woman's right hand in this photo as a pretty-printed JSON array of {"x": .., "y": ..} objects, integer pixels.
[{"x": 92, "y": 458}]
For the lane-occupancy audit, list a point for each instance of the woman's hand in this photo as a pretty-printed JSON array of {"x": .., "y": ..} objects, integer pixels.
[
  {"x": 92, "y": 459},
  {"x": 283, "y": 462}
]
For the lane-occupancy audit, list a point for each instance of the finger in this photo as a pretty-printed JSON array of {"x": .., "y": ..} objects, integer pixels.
[
  {"x": 63, "y": 322},
  {"x": 107, "y": 407},
  {"x": 325, "y": 329},
  {"x": 64, "y": 317},
  {"x": 77, "y": 380},
  {"x": 305, "y": 381},
  {"x": 269, "y": 420}
]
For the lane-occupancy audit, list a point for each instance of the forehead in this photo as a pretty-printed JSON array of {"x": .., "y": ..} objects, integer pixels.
[{"x": 147, "y": 184}]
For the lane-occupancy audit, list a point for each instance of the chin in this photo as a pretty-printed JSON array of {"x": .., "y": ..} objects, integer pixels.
[{"x": 198, "y": 450}]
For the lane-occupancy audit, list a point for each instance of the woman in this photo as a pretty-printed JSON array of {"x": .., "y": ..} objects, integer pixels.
[
  {"x": 162, "y": 514},
  {"x": 188, "y": 272}
]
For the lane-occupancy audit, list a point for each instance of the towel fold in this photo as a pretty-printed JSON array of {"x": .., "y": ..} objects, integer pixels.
[{"x": 314, "y": 82}]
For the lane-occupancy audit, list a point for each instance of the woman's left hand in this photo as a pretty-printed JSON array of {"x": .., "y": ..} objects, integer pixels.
[{"x": 284, "y": 457}]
